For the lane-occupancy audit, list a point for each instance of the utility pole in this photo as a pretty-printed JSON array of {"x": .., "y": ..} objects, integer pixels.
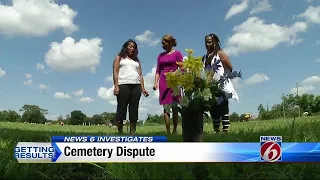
[
  {"x": 283, "y": 109},
  {"x": 297, "y": 86}
]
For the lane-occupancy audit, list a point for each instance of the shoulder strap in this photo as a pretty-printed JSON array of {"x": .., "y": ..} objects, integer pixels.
[{"x": 203, "y": 58}]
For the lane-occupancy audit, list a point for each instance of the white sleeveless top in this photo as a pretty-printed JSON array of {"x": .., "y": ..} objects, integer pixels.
[
  {"x": 227, "y": 86},
  {"x": 128, "y": 72}
]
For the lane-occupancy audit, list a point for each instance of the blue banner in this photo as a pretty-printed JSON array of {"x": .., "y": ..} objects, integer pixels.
[
  {"x": 110, "y": 139},
  {"x": 95, "y": 152}
]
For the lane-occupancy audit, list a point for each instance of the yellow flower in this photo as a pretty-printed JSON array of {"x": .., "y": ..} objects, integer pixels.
[
  {"x": 194, "y": 65},
  {"x": 189, "y": 51},
  {"x": 187, "y": 81},
  {"x": 171, "y": 80}
]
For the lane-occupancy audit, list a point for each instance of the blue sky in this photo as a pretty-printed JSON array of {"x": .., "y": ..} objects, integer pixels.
[{"x": 59, "y": 54}]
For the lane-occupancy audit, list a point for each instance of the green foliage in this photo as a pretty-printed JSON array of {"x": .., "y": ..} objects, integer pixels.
[
  {"x": 234, "y": 117},
  {"x": 200, "y": 90},
  {"x": 33, "y": 114},
  {"x": 77, "y": 117},
  {"x": 290, "y": 106},
  {"x": 10, "y": 116}
]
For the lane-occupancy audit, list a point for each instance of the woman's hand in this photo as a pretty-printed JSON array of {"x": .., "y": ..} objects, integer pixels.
[
  {"x": 180, "y": 64},
  {"x": 116, "y": 90},
  {"x": 155, "y": 86},
  {"x": 145, "y": 93}
]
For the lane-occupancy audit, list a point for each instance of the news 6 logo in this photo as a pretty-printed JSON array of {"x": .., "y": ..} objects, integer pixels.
[{"x": 270, "y": 149}]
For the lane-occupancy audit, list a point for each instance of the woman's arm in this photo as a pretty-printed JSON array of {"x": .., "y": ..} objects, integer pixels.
[
  {"x": 179, "y": 61},
  {"x": 225, "y": 60},
  {"x": 141, "y": 78},
  {"x": 116, "y": 66},
  {"x": 157, "y": 75}
]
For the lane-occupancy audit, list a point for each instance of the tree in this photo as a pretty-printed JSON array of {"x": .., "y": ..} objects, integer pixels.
[
  {"x": 33, "y": 114},
  {"x": 290, "y": 106},
  {"x": 242, "y": 117},
  {"x": 77, "y": 117},
  {"x": 10, "y": 115},
  {"x": 261, "y": 109},
  {"x": 234, "y": 117},
  {"x": 109, "y": 117},
  {"x": 98, "y": 119},
  {"x": 13, "y": 116},
  {"x": 154, "y": 119}
]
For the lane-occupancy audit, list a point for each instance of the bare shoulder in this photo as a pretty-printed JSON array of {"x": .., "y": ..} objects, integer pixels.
[
  {"x": 222, "y": 53},
  {"x": 117, "y": 58}
]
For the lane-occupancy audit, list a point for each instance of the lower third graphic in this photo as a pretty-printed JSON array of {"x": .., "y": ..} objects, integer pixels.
[{"x": 270, "y": 148}]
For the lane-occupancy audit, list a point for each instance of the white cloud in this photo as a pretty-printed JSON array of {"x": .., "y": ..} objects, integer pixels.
[
  {"x": 307, "y": 85},
  {"x": 40, "y": 67},
  {"x": 312, "y": 14},
  {"x": 27, "y": 82},
  {"x": 107, "y": 94},
  {"x": 36, "y": 18},
  {"x": 78, "y": 93},
  {"x": 302, "y": 90},
  {"x": 28, "y": 76},
  {"x": 318, "y": 42},
  {"x": 62, "y": 95},
  {"x": 74, "y": 56},
  {"x": 318, "y": 60},
  {"x": 261, "y": 6},
  {"x": 255, "y": 35},
  {"x": 2, "y": 72},
  {"x": 237, "y": 9},
  {"x": 147, "y": 38},
  {"x": 312, "y": 80},
  {"x": 43, "y": 86},
  {"x": 257, "y": 78},
  {"x": 109, "y": 78},
  {"x": 86, "y": 99}
]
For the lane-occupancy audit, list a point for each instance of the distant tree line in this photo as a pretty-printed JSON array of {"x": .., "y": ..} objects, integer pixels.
[
  {"x": 290, "y": 106},
  {"x": 35, "y": 114}
]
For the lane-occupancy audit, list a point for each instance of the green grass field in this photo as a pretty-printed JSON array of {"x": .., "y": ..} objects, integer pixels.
[{"x": 298, "y": 130}]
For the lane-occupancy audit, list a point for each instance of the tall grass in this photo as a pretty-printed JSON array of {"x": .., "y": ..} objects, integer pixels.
[{"x": 298, "y": 130}]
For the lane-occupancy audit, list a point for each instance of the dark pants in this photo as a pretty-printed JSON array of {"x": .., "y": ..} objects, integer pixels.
[
  {"x": 129, "y": 94},
  {"x": 220, "y": 113}
]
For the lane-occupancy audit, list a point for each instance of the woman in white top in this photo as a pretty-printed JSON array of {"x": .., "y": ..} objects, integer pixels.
[
  {"x": 215, "y": 56},
  {"x": 128, "y": 84}
]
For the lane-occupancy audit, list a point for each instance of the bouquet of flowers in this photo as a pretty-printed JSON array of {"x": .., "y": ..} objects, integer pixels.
[{"x": 199, "y": 90}]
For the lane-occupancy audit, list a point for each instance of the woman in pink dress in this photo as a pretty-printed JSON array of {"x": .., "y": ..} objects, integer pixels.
[{"x": 167, "y": 61}]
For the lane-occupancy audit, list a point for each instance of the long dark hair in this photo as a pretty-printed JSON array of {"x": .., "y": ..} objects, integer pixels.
[
  {"x": 216, "y": 42},
  {"x": 124, "y": 52},
  {"x": 217, "y": 47}
]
